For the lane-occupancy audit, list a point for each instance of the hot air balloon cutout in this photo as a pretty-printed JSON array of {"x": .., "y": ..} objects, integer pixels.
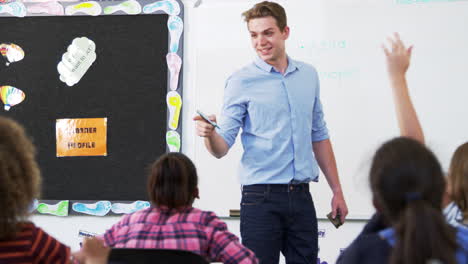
[
  {"x": 16, "y": 9},
  {"x": 77, "y": 60},
  {"x": 11, "y": 52},
  {"x": 176, "y": 26},
  {"x": 11, "y": 96},
  {"x": 170, "y": 7},
  {"x": 174, "y": 103},
  {"x": 174, "y": 63},
  {"x": 91, "y": 8},
  {"x": 131, "y": 7},
  {"x": 51, "y": 8}
]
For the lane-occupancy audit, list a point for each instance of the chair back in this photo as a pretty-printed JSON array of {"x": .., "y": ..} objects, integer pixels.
[{"x": 153, "y": 256}]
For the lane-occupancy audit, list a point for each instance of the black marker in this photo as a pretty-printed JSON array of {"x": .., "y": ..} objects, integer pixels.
[{"x": 207, "y": 119}]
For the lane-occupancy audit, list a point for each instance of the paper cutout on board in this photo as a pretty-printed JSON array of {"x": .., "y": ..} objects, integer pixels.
[
  {"x": 131, "y": 7},
  {"x": 174, "y": 63},
  {"x": 176, "y": 26},
  {"x": 174, "y": 103},
  {"x": 91, "y": 8},
  {"x": 51, "y": 8},
  {"x": 77, "y": 60},
  {"x": 170, "y": 7},
  {"x": 11, "y": 52},
  {"x": 100, "y": 208},
  {"x": 6, "y": 1},
  {"x": 173, "y": 141},
  {"x": 16, "y": 9},
  {"x": 122, "y": 208},
  {"x": 58, "y": 209},
  {"x": 33, "y": 206},
  {"x": 11, "y": 96},
  {"x": 81, "y": 137}
]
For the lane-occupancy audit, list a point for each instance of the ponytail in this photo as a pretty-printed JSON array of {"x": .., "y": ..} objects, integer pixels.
[{"x": 422, "y": 234}]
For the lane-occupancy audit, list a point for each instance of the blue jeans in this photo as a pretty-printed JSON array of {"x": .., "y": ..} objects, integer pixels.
[{"x": 279, "y": 217}]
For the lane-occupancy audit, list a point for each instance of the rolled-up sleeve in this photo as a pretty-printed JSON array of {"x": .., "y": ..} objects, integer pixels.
[
  {"x": 234, "y": 111},
  {"x": 319, "y": 126}
]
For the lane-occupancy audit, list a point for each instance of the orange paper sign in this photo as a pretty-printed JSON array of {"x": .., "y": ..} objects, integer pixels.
[{"x": 81, "y": 137}]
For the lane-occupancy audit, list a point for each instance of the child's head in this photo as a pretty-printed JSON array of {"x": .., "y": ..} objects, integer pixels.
[
  {"x": 173, "y": 181},
  {"x": 458, "y": 178},
  {"x": 408, "y": 186},
  {"x": 19, "y": 176},
  {"x": 405, "y": 173}
]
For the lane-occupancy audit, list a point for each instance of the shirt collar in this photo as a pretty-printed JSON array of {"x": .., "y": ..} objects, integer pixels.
[{"x": 292, "y": 65}]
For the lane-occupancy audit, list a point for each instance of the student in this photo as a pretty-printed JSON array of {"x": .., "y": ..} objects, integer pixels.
[
  {"x": 407, "y": 188},
  {"x": 456, "y": 211},
  {"x": 20, "y": 240},
  {"x": 276, "y": 102},
  {"x": 171, "y": 222}
]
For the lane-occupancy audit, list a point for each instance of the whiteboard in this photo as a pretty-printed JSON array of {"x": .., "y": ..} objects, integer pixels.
[{"x": 342, "y": 39}]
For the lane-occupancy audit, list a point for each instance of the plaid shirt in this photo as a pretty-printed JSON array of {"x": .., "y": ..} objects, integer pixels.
[{"x": 190, "y": 229}]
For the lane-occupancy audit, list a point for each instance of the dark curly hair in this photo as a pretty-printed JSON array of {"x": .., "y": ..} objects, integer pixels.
[{"x": 19, "y": 177}]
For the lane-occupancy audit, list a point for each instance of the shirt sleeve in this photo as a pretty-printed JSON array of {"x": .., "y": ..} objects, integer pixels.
[
  {"x": 226, "y": 248},
  {"x": 319, "y": 126},
  {"x": 234, "y": 111},
  {"x": 47, "y": 249}
]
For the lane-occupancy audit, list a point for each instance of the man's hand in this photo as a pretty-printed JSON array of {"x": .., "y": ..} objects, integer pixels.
[
  {"x": 203, "y": 128},
  {"x": 398, "y": 57},
  {"x": 339, "y": 205}
]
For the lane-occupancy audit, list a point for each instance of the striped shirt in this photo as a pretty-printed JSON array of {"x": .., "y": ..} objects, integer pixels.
[
  {"x": 190, "y": 229},
  {"x": 33, "y": 245}
]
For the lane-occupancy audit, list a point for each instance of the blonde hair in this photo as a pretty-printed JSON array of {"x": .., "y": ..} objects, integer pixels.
[
  {"x": 458, "y": 178},
  {"x": 19, "y": 176}
]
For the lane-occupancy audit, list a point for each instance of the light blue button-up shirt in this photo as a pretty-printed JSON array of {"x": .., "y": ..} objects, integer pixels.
[{"x": 280, "y": 116}]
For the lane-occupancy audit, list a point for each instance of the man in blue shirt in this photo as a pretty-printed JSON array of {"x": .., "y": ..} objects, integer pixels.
[{"x": 276, "y": 102}]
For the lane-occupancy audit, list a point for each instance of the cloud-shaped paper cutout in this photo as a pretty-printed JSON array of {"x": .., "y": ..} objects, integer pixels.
[{"x": 77, "y": 60}]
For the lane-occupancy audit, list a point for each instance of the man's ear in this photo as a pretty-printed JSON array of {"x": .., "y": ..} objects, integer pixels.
[{"x": 286, "y": 32}]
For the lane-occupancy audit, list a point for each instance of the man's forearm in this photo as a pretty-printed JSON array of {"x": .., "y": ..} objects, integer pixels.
[
  {"x": 326, "y": 160},
  {"x": 216, "y": 145}
]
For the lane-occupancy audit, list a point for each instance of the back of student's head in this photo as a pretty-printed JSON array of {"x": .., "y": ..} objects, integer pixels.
[
  {"x": 408, "y": 185},
  {"x": 458, "y": 178},
  {"x": 173, "y": 181},
  {"x": 19, "y": 176}
]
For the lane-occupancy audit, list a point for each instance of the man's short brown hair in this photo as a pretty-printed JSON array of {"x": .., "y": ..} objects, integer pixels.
[
  {"x": 173, "y": 181},
  {"x": 266, "y": 9}
]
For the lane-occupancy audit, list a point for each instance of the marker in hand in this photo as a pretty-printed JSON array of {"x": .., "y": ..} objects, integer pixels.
[{"x": 207, "y": 119}]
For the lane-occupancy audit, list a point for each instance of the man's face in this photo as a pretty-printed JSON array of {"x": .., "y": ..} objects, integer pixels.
[{"x": 267, "y": 39}]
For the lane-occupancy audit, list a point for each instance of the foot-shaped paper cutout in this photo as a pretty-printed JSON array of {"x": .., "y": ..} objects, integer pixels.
[
  {"x": 121, "y": 208},
  {"x": 174, "y": 63},
  {"x": 11, "y": 96},
  {"x": 174, "y": 103},
  {"x": 58, "y": 209},
  {"x": 16, "y": 9},
  {"x": 131, "y": 7},
  {"x": 52, "y": 8},
  {"x": 173, "y": 141},
  {"x": 100, "y": 208},
  {"x": 170, "y": 7},
  {"x": 91, "y": 8},
  {"x": 11, "y": 52},
  {"x": 176, "y": 26}
]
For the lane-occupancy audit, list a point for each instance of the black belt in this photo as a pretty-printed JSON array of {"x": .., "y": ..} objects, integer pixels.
[{"x": 301, "y": 187}]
